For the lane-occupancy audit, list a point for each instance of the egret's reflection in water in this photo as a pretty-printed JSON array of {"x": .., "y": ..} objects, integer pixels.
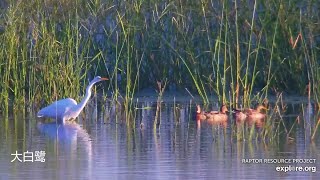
[
  {"x": 68, "y": 133},
  {"x": 68, "y": 139}
]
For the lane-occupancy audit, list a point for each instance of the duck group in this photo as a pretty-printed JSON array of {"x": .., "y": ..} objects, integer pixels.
[
  {"x": 249, "y": 114},
  {"x": 216, "y": 116},
  {"x": 239, "y": 115}
]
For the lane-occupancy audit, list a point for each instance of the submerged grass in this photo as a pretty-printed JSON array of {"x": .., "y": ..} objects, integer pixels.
[{"x": 50, "y": 49}]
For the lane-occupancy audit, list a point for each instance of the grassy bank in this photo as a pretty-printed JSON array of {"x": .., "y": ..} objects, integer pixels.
[{"x": 49, "y": 49}]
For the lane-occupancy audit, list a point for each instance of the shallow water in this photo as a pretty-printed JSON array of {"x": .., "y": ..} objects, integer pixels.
[{"x": 100, "y": 146}]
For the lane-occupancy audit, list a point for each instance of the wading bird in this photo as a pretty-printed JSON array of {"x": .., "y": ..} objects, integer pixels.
[{"x": 66, "y": 109}]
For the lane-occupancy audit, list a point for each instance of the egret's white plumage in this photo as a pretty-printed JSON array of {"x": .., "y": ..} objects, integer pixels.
[{"x": 68, "y": 108}]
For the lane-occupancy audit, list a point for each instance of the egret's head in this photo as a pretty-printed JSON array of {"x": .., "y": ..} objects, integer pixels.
[{"x": 98, "y": 79}]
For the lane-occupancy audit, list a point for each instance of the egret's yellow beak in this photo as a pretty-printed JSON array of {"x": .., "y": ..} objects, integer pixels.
[{"x": 103, "y": 79}]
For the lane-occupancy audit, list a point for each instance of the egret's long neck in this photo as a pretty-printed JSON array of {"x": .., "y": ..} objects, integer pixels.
[{"x": 86, "y": 98}]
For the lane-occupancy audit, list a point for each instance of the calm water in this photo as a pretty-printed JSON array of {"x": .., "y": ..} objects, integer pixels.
[{"x": 100, "y": 146}]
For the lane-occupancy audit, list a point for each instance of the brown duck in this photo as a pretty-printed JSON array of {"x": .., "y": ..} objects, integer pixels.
[
  {"x": 201, "y": 115},
  {"x": 251, "y": 114},
  {"x": 218, "y": 115}
]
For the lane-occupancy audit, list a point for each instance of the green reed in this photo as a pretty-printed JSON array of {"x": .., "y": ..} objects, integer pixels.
[
  {"x": 40, "y": 59},
  {"x": 157, "y": 119}
]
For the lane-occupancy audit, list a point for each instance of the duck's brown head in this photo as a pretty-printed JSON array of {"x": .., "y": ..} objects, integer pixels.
[
  {"x": 260, "y": 108},
  {"x": 265, "y": 102},
  {"x": 198, "y": 109},
  {"x": 224, "y": 109}
]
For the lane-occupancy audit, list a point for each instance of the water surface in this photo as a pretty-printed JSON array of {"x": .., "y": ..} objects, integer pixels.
[{"x": 100, "y": 146}]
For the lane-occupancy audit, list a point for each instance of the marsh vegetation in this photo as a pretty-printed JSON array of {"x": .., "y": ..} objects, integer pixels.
[{"x": 237, "y": 51}]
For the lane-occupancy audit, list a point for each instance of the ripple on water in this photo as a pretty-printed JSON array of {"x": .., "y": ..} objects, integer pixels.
[{"x": 94, "y": 150}]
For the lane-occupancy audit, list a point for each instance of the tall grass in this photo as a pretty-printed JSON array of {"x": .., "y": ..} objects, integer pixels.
[{"x": 50, "y": 49}]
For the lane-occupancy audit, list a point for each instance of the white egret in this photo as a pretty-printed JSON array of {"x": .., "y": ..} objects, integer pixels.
[{"x": 66, "y": 109}]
